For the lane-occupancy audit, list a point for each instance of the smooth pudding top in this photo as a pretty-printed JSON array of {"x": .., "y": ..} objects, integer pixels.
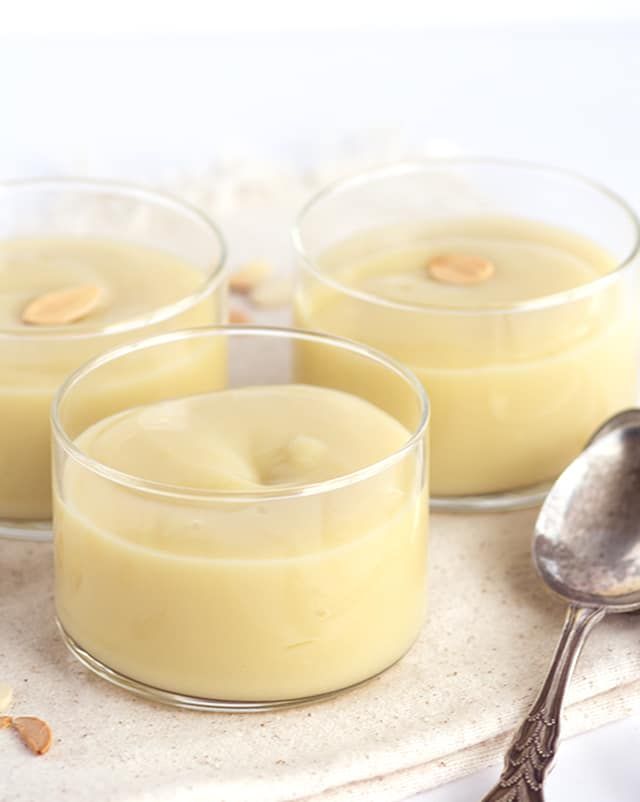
[
  {"x": 128, "y": 281},
  {"x": 526, "y": 260},
  {"x": 246, "y": 439},
  {"x": 244, "y": 599}
]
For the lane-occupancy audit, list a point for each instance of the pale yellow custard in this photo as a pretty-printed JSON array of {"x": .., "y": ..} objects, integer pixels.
[
  {"x": 291, "y": 591},
  {"x": 136, "y": 288},
  {"x": 517, "y": 382}
]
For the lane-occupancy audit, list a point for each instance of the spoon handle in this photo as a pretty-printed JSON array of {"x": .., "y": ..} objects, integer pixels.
[{"x": 532, "y": 750}]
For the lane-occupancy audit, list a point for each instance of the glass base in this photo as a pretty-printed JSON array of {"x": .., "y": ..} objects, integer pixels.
[
  {"x": 518, "y": 499},
  {"x": 179, "y": 700},
  {"x": 26, "y": 530}
]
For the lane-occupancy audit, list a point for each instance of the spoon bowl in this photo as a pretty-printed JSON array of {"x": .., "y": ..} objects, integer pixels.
[{"x": 586, "y": 546}]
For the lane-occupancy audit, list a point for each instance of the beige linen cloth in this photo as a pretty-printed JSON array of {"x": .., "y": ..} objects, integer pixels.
[{"x": 443, "y": 711}]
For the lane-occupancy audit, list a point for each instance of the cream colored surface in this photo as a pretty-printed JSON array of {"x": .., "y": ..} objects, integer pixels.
[
  {"x": 34, "y": 360},
  {"x": 444, "y": 710},
  {"x": 244, "y": 601},
  {"x": 514, "y": 397},
  {"x": 529, "y": 259}
]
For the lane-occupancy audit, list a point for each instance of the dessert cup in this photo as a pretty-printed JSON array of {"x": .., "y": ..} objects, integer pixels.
[
  {"x": 265, "y": 593},
  {"x": 52, "y": 234},
  {"x": 519, "y": 370}
]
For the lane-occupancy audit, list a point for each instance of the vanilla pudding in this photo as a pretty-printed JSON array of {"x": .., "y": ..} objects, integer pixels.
[
  {"x": 265, "y": 598},
  {"x": 524, "y": 333},
  {"x": 244, "y": 540},
  {"x": 121, "y": 287}
]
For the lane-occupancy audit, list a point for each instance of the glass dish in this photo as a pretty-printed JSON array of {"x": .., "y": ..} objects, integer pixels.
[
  {"x": 239, "y": 599},
  {"x": 34, "y": 360},
  {"x": 516, "y": 387}
]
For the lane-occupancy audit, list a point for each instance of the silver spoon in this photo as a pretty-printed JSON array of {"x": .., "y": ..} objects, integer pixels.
[{"x": 586, "y": 548}]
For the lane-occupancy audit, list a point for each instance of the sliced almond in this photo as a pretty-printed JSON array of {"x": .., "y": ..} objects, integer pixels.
[
  {"x": 5, "y": 721},
  {"x": 277, "y": 292},
  {"x": 239, "y": 315},
  {"x": 6, "y": 694},
  {"x": 249, "y": 276},
  {"x": 34, "y": 732},
  {"x": 62, "y": 306},
  {"x": 460, "y": 268}
]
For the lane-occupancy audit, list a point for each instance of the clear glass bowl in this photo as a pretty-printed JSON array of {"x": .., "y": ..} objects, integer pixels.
[
  {"x": 35, "y": 360},
  {"x": 239, "y": 600},
  {"x": 516, "y": 389}
]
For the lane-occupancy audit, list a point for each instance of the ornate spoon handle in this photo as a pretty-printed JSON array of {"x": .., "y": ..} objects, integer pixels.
[{"x": 533, "y": 748}]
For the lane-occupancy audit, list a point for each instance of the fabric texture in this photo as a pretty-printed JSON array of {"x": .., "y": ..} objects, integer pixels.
[{"x": 443, "y": 711}]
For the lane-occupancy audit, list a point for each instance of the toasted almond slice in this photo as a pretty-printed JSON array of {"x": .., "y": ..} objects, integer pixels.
[
  {"x": 460, "y": 268},
  {"x": 6, "y": 695},
  {"x": 249, "y": 276},
  {"x": 239, "y": 315},
  {"x": 34, "y": 732},
  {"x": 5, "y": 721},
  {"x": 277, "y": 292},
  {"x": 62, "y": 306}
]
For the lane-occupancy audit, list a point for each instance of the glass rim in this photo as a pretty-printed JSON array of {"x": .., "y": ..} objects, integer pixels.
[
  {"x": 180, "y": 492},
  {"x": 401, "y": 168},
  {"x": 211, "y": 278}
]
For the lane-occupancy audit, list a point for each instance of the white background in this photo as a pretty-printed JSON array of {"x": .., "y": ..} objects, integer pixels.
[
  {"x": 292, "y": 82},
  {"x": 562, "y": 91}
]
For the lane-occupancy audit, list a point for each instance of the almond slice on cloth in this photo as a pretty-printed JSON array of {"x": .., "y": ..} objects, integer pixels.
[
  {"x": 5, "y": 721},
  {"x": 62, "y": 306},
  {"x": 249, "y": 276},
  {"x": 460, "y": 268},
  {"x": 238, "y": 315},
  {"x": 274, "y": 293},
  {"x": 34, "y": 732}
]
